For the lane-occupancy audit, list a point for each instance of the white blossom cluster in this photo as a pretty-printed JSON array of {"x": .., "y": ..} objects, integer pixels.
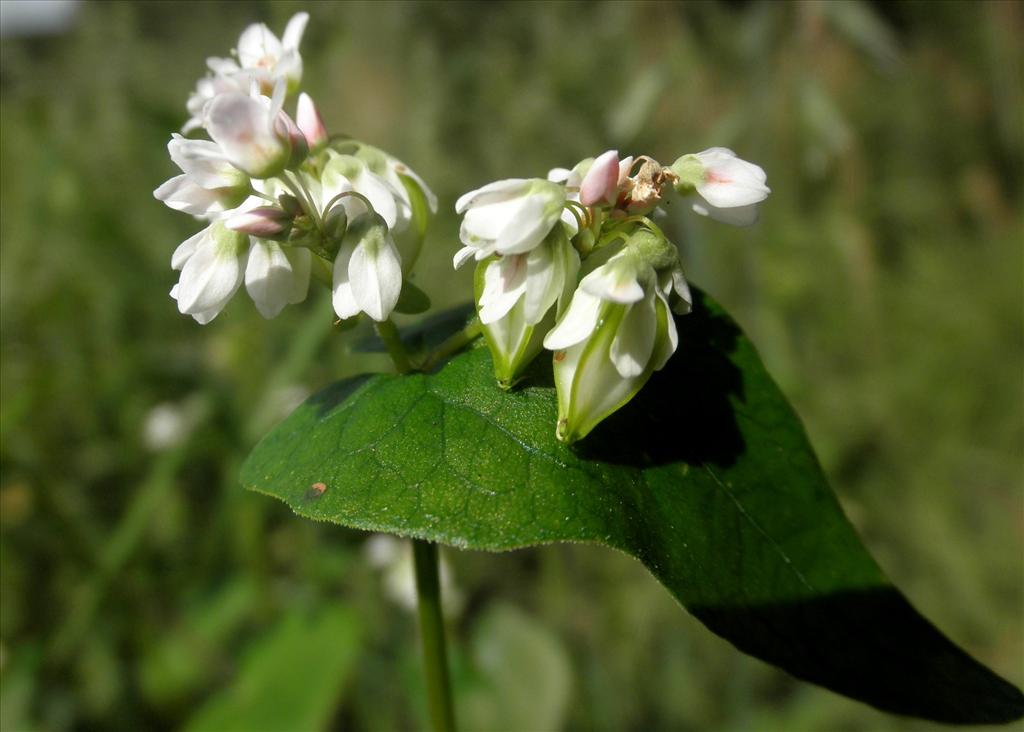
[
  {"x": 283, "y": 201},
  {"x": 575, "y": 265}
]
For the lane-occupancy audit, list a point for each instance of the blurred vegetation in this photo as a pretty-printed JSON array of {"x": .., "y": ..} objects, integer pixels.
[{"x": 141, "y": 588}]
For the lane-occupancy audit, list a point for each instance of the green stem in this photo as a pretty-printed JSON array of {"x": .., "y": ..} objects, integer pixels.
[
  {"x": 435, "y": 661},
  {"x": 305, "y": 198},
  {"x": 452, "y": 345},
  {"x": 396, "y": 349}
]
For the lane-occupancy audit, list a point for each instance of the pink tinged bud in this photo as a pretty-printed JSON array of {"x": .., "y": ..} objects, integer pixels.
[
  {"x": 264, "y": 222},
  {"x": 307, "y": 116},
  {"x": 601, "y": 183},
  {"x": 286, "y": 128}
]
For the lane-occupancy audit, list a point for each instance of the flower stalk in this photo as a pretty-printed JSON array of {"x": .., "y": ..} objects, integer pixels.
[{"x": 435, "y": 656}]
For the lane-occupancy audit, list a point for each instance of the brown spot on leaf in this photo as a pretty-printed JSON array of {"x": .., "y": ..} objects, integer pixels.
[{"x": 315, "y": 491}]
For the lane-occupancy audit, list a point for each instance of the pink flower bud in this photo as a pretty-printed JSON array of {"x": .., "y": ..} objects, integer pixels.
[
  {"x": 601, "y": 183},
  {"x": 286, "y": 129},
  {"x": 307, "y": 116},
  {"x": 264, "y": 222}
]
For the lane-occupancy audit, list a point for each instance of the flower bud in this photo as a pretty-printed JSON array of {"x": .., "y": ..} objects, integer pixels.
[
  {"x": 265, "y": 222},
  {"x": 307, "y": 117},
  {"x": 290, "y": 204},
  {"x": 600, "y": 185},
  {"x": 728, "y": 188},
  {"x": 286, "y": 127}
]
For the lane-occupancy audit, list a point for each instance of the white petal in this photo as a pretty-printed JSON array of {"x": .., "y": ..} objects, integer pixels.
[
  {"x": 559, "y": 175},
  {"x": 570, "y": 223},
  {"x": 682, "y": 289},
  {"x": 268, "y": 277},
  {"x": 577, "y": 324},
  {"x": 258, "y": 47},
  {"x": 221, "y": 66},
  {"x": 294, "y": 30},
  {"x": 302, "y": 264},
  {"x": 211, "y": 275},
  {"x": 204, "y": 162},
  {"x": 344, "y": 301},
  {"x": 504, "y": 284},
  {"x": 487, "y": 221},
  {"x": 492, "y": 192},
  {"x": 375, "y": 272},
  {"x": 668, "y": 337},
  {"x": 634, "y": 340},
  {"x": 543, "y": 282},
  {"x": 184, "y": 251},
  {"x": 528, "y": 228},
  {"x": 615, "y": 281},
  {"x": 181, "y": 193},
  {"x": 381, "y": 196},
  {"x": 597, "y": 388},
  {"x": 737, "y": 216},
  {"x": 462, "y": 256},
  {"x": 730, "y": 181},
  {"x": 242, "y": 127}
]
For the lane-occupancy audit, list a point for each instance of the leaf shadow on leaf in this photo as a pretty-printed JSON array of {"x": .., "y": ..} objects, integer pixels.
[
  {"x": 871, "y": 645},
  {"x": 686, "y": 413}
]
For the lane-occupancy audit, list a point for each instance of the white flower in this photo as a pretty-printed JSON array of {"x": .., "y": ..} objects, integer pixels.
[
  {"x": 216, "y": 261},
  {"x": 260, "y": 51},
  {"x": 212, "y": 265},
  {"x": 206, "y": 89},
  {"x": 208, "y": 185},
  {"x": 344, "y": 173},
  {"x": 266, "y": 58},
  {"x": 728, "y": 188},
  {"x": 616, "y": 332},
  {"x": 276, "y": 276},
  {"x": 253, "y": 133},
  {"x": 515, "y": 294},
  {"x": 262, "y": 59},
  {"x": 508, "y": 217},
  {"x": 367, "y": 270}
]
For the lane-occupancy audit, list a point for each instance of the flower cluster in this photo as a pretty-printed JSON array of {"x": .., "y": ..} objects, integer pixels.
[
  {"x": 574, "y": 264},
  {"x": 283, "y": 201}
]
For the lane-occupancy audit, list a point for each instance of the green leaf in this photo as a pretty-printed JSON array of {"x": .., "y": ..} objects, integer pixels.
[
  {"x": 706, "y": 477},
  {"x": 291, "y": 679}
]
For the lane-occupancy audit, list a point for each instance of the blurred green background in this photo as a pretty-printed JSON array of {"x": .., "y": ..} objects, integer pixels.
[{"x": 141, "y": 588}]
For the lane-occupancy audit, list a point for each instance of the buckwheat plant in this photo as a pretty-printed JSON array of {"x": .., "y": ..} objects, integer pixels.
[{"x": 649, "y": 425}]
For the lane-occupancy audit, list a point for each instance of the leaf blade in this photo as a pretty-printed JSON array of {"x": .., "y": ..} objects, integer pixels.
[{"x": 723, "y": 500}]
